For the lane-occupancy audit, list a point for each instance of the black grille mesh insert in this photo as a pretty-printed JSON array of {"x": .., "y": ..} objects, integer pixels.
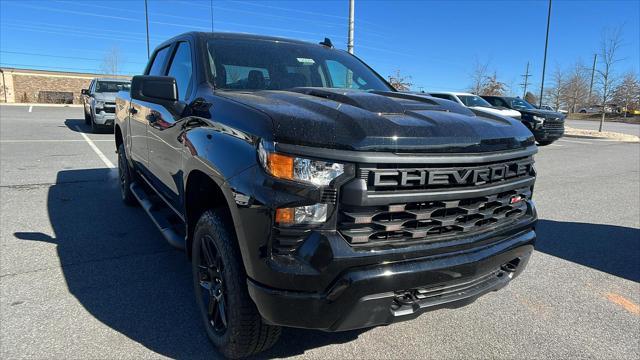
[{"x": 431, "y": 220}]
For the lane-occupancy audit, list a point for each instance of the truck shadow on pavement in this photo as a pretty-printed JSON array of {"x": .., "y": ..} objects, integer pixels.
[
  {"x": 75, "y": 124},
  {"x": 608, "y": 248},
  {"x": 122, "y": 271}
]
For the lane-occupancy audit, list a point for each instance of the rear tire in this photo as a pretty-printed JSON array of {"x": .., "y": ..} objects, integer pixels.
[
  {"x": 125, "y": 178},
  {"x": 230, "y": 317}
]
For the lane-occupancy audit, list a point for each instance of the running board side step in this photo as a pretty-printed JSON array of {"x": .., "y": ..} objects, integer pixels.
[{"x": 161, "y": 215}]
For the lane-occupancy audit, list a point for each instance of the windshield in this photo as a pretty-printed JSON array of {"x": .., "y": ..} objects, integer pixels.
[
  {"x": 517, "y": 103},
  {"x": 269, "y": 65},
  {"x": 473, "y": 100},
  {"x": 112, "y": 86}
]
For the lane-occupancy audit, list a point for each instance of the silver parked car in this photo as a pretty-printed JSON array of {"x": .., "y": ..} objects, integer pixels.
[{"x": 99, "y": 102}]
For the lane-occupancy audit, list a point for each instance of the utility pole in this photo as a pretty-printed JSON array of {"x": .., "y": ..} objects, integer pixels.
[
  {"x": 146, "y": 16},
  {"x": 350, "y": 38},
  {"x": 211, "y": 15},
  {"x": 526, "y": 81},
  {"x": 593, "y": 71},
  {"x": 546, "y": 45}
]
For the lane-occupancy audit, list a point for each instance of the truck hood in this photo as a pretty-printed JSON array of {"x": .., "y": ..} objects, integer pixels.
[
  {"x": 380, "y": 121},
  {"x": 498, "y": 111},
  {"x": 546, "y": 113},
  {"x": 106, "y": 96}
]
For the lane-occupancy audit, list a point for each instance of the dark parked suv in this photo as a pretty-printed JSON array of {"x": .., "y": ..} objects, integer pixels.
[
  {"x": 547, "y": 126},
  {"x": 308, "y": 193}
]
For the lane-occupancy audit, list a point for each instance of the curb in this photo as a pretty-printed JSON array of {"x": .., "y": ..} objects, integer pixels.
[{"x": 599, "y": 138}]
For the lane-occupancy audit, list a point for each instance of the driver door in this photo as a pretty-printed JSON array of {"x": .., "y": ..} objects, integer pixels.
[
  {"x": 140, "y": 111},
  {"x": 164, "y": 130}
]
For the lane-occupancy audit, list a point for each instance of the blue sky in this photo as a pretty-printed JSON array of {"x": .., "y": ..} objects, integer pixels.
[{"x": 436, "y": 42}]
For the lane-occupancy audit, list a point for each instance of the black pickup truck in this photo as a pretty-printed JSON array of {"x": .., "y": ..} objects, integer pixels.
[
  {"x": 547, "y": 126},
  {"x": 308, "y": 193}
]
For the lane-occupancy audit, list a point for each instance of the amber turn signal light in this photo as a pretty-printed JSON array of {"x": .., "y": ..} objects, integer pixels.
[
  {"x": 280, "y": 165},
  {"x": 285, "y": 215}
]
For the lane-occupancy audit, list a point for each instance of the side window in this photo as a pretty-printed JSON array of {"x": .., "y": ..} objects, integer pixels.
[
  {"x": 502, "y": 103},
  {"x": 158, "y": 61},
  {"x": 181, "y": 69},
  {"x": 493, "y": 101}
]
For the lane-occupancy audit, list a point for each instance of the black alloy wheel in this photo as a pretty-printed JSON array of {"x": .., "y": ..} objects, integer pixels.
[{"x": 212, "y": 290}]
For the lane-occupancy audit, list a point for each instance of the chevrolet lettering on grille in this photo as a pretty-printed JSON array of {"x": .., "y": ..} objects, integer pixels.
[{"x": 473, "y": 176}]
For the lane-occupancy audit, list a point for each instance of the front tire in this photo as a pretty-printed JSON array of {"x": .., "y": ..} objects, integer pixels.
[
  {"x": 230, "y": 317},
  {"x": 125, "y": 178},
  {"x": 87, "y": 117},
  {"x": 544, "y": 143},
  {"x": 94, "y": 126}
]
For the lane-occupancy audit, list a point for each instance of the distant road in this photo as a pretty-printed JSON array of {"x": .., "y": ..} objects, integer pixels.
[{"x": 631, "y": 129}]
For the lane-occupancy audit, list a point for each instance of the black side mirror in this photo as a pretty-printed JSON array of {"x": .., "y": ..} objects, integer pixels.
[
  {"x": 84, "y": 91},
  {"x": 154, "y": 89}
]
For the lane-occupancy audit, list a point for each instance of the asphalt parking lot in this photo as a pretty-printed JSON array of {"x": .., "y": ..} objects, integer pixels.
[{"x": 83, "y": 276}]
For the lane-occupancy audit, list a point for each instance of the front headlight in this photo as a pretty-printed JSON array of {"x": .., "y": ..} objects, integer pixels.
[
  {"x": 538, "y": 118},
  {"x": 99, "y": 104},
  {"x": 316, "y": 172}
]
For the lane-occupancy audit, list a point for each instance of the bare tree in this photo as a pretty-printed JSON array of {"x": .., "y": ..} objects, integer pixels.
[
  {"x": 111, "y": 61},
  {"x": 553, "y": 94},
  {"x": 400, "y": 82},
  {"x": 628, "y": 93},
  {"x": 609, "y": 46},
  {"x": 530, "y": 98},
  {"x": 479, "y": 77},
  {"x": 576, "y": 88},
  {"x": 493, "y": 86}
]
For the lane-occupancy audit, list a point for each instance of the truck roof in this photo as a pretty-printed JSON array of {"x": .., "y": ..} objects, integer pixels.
[
  {"x": 234, "y": 36},
  {"x": 112, "y": 80},
  {"x": 451, "y": 93}
]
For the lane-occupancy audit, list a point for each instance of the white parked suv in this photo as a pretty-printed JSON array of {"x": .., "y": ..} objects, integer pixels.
[
  {"x": 476, "y": 102},
  {"x": 100, "y": 102}
]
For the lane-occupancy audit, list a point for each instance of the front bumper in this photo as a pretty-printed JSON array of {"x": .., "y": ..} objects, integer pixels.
[
  {"x": 389, "y": 292},
  {"x": 104, "y": 118},
  {"x": 548, "y": 134}
]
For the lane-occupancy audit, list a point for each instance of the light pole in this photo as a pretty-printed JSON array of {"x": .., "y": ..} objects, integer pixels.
[
  {"x": 544, "y": 62},
  {"x": 146, "y": 16},
  {"x": 350, "y": 38},
  {"x": 593, "y": 72}
]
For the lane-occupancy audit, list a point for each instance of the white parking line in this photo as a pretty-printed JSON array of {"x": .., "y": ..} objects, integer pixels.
[
  {"x": 95, "y": 149},
  {"x": 48, "y": 140},
  {"x": 30, "y": 108},
  {"x": 557, "y": 145},
  {"x": 577, "y": 142}
]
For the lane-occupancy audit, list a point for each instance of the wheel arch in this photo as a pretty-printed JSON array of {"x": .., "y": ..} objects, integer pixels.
[{"x": 202, "y": 192}]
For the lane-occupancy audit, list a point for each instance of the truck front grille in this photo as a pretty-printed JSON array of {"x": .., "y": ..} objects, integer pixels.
[
  {"x": 110, "y": 108},
  {"x": 553, "y": 125},
  {"x": 429, "y": 203},
  {"x": 431, "y": 220}
]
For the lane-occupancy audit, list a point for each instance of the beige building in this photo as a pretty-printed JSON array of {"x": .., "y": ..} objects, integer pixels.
[{"x": 41, "y": 86}]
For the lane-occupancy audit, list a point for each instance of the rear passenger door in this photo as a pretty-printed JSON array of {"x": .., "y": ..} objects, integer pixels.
[{"x": 140, "y": 111}]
